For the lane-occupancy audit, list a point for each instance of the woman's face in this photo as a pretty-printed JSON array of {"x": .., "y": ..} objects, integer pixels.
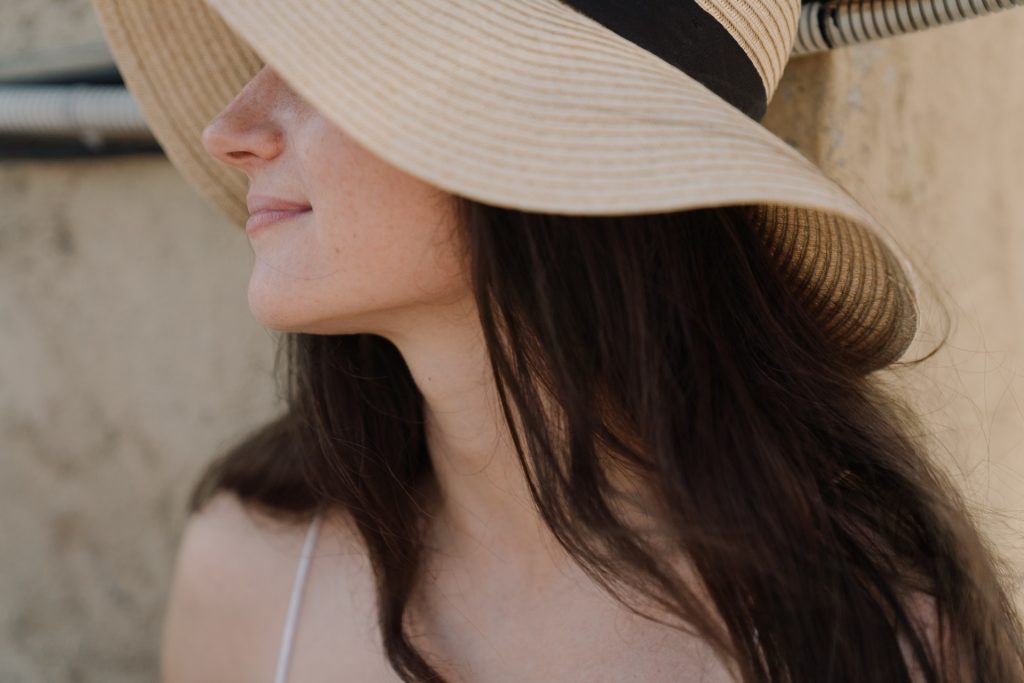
[{"x": 377, "y": 247}]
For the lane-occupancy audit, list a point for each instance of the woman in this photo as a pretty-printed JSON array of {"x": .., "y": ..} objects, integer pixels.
[{"x": 544, "y": 446}]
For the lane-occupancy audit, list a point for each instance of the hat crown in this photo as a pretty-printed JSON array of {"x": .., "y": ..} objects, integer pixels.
[{"x": 765, "y": 30}]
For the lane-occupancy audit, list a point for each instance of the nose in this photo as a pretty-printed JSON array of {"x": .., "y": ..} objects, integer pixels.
[{"x": 245, "y": 134}]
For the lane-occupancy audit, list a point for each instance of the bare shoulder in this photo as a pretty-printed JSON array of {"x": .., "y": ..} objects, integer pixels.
[
  {"x": 232, "y": 583},
  {"x": 922, "y": 611}
]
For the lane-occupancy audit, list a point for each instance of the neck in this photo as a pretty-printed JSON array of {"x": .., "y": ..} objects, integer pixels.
[{"x": 483, "y": 511}]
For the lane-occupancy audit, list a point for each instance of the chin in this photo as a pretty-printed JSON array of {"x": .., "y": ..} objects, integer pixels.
[
  {"x": 277, "y": 323},
  {"x": 281, "y": 315},
  {"x": 273, "y": 311}
]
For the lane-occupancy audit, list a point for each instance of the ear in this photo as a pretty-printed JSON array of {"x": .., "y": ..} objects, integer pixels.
[{"x": 828, "y": 24}]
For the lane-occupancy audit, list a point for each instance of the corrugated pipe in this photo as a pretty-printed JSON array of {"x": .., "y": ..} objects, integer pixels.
[
  {"x": 68, "y": 102},
  {"x": 828, "y": 24},
  {"x": 92, "y": 114}
]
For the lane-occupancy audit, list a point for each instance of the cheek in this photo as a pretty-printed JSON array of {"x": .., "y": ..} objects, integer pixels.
[
  {"x": 389, "y": 231},
  {"x": 348, "y": 271}
]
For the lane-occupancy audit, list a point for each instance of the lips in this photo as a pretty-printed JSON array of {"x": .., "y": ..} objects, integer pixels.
[
  {"x": 262, "y": 202},
  {"x": 265, "y": 210},
  {"x": 261, "y": 219}
]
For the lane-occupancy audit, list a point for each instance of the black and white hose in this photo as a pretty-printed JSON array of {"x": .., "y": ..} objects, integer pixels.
[{"x": 828, "y": 24}]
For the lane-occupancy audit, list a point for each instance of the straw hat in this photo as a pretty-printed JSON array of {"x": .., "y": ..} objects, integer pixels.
[{"x": 580, "y": 107}]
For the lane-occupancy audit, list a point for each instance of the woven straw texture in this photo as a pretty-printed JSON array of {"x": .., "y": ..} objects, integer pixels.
[
  {"x": 765, "y": 29},
  {"x": 526, "y": 104}
]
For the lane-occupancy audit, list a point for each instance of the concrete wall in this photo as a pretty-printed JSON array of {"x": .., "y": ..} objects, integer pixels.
[
  {"x": 128, "y": 355},
  {"x": 927, "y": 131}
]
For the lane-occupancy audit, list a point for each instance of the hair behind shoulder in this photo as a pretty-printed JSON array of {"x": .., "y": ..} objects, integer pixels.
[
  {"x": 264, "y": 470},
  {"x": 673, "y": 349}
]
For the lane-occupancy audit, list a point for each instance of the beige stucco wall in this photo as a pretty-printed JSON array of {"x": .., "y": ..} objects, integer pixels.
[
  {"x": 128, "y": 355},
  {"x": 928, "y": 132}
]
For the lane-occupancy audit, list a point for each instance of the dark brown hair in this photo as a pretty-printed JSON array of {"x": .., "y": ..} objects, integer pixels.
[{"x": 796, "y": 485}]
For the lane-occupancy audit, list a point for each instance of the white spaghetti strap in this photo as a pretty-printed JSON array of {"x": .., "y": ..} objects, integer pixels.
[{"x": 285, "y": 653}]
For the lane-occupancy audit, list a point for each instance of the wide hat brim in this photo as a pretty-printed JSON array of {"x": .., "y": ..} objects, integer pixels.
[{"x": 526, "y": 104}]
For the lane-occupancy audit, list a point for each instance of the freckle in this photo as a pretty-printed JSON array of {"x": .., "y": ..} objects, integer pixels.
[{"x": 337, "y": 250}]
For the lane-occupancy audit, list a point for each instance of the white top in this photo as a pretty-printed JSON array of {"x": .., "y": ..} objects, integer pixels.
[{"x": 285, "y": 653}]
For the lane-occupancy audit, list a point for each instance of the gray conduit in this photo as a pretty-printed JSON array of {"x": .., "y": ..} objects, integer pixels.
[
  {"x": 828, "y": 24},
  {"x": 92, "y": 114}
]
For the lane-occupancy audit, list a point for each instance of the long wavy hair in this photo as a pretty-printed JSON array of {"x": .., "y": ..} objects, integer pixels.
[{"x": 796, "y": 485}]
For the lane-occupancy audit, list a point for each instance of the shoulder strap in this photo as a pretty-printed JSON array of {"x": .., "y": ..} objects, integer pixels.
[{"x": 285, "y": 653}]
